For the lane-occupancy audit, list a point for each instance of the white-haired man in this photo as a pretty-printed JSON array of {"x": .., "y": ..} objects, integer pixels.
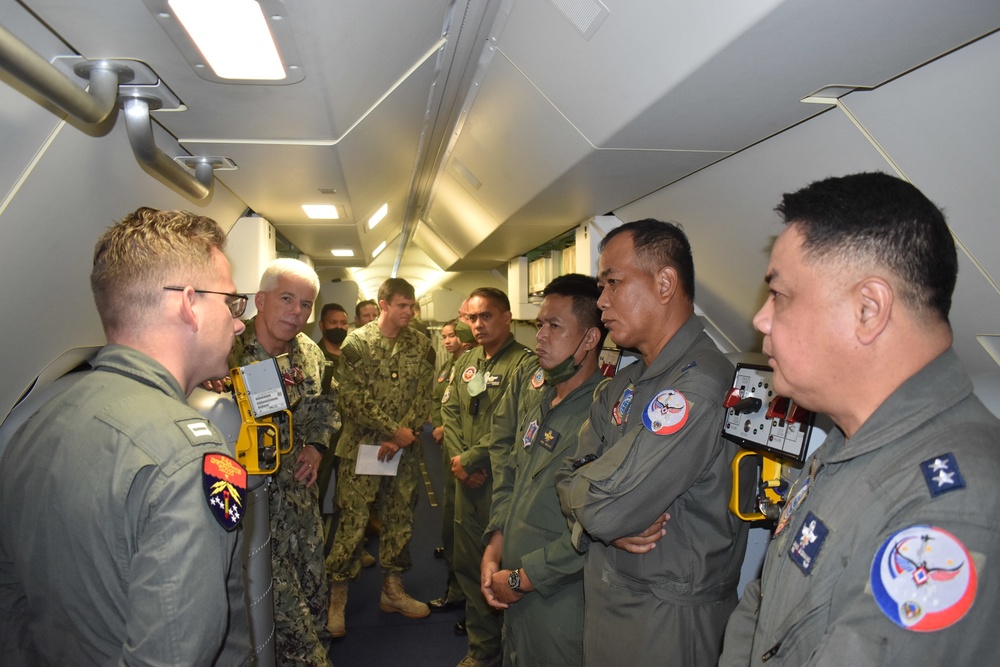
[{"x": 288, "y": 289}]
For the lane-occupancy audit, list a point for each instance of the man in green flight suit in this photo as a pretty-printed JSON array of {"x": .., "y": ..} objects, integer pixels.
[
  {"x": 481, "y": 376},
  {"x": 386, "y": 370},
  {"x": 530, "y": 567},
  {"x": 288, "y": 289}
]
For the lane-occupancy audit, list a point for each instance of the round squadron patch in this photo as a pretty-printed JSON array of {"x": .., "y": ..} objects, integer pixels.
[
  {"x": 468, "y": 373},
  {"x": 666, "y": 413},
  {"x": 923, "y": 579},
  {"x": 225, "y": 483},
  {"x": 538, "y": 379}
]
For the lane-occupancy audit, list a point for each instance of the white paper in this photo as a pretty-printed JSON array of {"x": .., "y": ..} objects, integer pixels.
[{"x": 368, "y": 463}]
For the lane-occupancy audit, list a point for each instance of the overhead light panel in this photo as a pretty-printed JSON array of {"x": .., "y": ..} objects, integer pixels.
[
  {"x": 380, "y": 248},
  {"x": 321, "y": 211},
  {"x": 378, "y": 215},
  {"x": 232, "y": 41},
  {"x": 342, "y": 252}
]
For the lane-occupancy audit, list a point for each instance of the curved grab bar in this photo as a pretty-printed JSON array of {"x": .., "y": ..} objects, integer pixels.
[
  {"x": 90, "y": 106},
  {"x": 140, "y": 136}
]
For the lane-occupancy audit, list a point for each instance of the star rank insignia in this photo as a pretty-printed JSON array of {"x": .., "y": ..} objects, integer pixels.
[
  {"x": 942, "y": 475},
  {"x": 225, "y": 483}
]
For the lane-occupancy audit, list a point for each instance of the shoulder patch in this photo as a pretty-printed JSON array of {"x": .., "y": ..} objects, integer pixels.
[
  {"x": 198, "y": 431},
  {"x": 923, "y": 579},
  {"x": 350, "y": 353},
  {"x": 538, "y": 379},
  {"x": 225, "y": 483},
  {"x": 666, "y": 413},
  {"x": 942, "y": 474}
]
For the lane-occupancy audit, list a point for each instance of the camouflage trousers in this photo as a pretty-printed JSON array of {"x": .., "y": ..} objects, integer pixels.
[
  {"x": 397, "y": 498},
  {"x": 300, "y": 582}
]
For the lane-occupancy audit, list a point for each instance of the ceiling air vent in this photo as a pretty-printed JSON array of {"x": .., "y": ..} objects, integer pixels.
[{"x": 585, "y": 15}]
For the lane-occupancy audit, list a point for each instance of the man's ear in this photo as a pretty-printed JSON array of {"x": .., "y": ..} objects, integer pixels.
[
  {"x": 186, "y": 310},
  {"x": 591, "y": 338},
  {"x": 666, "y": 284},
  {"x": 875, "y": 300},
  {"x": 258, "y": 300}
]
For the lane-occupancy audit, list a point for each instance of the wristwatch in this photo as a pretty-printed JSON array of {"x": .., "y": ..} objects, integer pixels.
[{"x": 514, "y": 580}]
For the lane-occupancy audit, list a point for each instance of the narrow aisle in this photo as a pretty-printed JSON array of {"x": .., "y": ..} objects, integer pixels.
[{"x": 376, "y": 638}]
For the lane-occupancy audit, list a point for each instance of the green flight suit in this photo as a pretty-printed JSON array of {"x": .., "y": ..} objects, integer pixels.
[
  {"x": 300, "y": 583},
  {"x": 441, "y": 394},
  {"x": 467, "y": 422},
  {"x": 545, "y": 627},
  {"x": 386, "y": 384}
]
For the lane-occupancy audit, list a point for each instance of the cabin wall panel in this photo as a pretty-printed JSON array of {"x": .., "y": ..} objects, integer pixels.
[
  {"x": 727, "y": 211},
  {"x": 935, "y": 123},
  {"x": 79, "y": 186}
]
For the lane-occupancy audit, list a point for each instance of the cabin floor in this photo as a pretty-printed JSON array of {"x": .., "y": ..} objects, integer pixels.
[{"x": 376, "y": 638}]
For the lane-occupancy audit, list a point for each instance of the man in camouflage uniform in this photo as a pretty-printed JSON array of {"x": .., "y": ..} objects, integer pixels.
[
  {"x": 481, "y": 376},
  {"x": 288, "y": 289},
  {"x": 386, "y": 369}
]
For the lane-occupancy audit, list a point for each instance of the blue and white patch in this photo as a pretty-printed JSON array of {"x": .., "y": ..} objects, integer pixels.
[
  {"x": 529, "y": 435},
  {"x": 620, "y": 412},
  {"x": 805, "y": 548},
  {"x": 538, "y": 379},
  {"x": 942, "y": 475},
  {"x": 923, "y": 579},
  {"x": 666, "y": 413}
]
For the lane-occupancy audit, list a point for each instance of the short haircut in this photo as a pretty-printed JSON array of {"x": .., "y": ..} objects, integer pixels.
[
  {"x": 144, "y": 252},
  {"x": 658, "y": 244},
  {"x": 393, "y": 287},
  {"x": 286, "y": 267},
  {"x": 449, "y": 323},
  {"x": 493, "y": 294},
  {"x": 878, "y": 219},
  {"x": 362, "y": 304},
  {"x": 585, "y": 293},
  {"x": 332, "y": 307}
]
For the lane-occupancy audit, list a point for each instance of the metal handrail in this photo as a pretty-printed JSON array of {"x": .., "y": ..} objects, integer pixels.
[
  {"x": 140, "y": 136},
  {"x": 90, "y": 106},
  {"x": 96, "y": 104}
]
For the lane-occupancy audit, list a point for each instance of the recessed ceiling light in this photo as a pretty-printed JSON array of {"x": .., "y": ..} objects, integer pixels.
[
  {"x": 380, "y": 248},
  {"x": 321, "y": 211},
  {"x": 378, "y": 215},
  {"x": 233, "y": 36},
  {"x": 342, "y": 252}
]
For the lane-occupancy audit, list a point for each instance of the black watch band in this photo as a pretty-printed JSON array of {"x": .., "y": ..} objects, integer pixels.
[{"x": 514, "y": 580}]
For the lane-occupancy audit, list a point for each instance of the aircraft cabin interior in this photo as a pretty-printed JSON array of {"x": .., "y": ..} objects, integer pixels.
[{"x": 467, "y": 143}]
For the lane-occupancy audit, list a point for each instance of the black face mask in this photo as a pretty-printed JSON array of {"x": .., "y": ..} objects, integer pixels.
[{"x": 335, "y": 336}]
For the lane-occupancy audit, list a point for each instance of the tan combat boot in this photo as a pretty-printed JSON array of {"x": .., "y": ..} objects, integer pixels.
[
  {"x": 395, "y": 599},
  {"x": 335, "y": 611}
]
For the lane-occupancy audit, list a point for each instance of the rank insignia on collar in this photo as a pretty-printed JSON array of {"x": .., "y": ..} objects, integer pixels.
[
  {"x": 548, "y": 439},
  {"x": 806, "y": 545},
  {"x": 942, "y": 475},
  {"x": 529, "y": 435},
  {"x": 225, "y": 483},
  {"x": 923, "y": 579},
  {"x": 620, "y": 412},
  {"x": 538, "y": 379},
  {"x": 666, "y": 413}
]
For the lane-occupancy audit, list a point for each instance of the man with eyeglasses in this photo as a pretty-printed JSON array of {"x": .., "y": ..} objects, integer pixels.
[
  {"x": 119, "y": 504},
  {"x": 288, "y": 290},
  {"x": 481, "y": 376}
]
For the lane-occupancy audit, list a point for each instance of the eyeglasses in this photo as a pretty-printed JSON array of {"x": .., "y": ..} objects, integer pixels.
[{"x": 237, "y": 303}]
